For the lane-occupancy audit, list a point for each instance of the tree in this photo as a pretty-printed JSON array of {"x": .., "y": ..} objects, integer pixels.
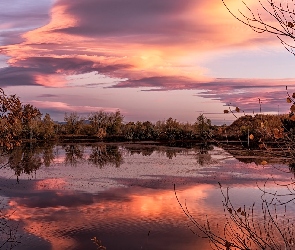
[
  {"x": 47, "y": 130},
  {"x": 73, "y": 123},
  {"x": 202, "y": 126},
  {"x": 98, "y": 123},
  {"x": 31, "y": 116},
  {"x": 10, "y": 120},
  {"x": 114, "y": 123},
  {"x": 171, "y": 129},
  {"x": 104, "y": 123},
  {"x": 275, "y": 17},
  {"x": 129, "y": 131}
]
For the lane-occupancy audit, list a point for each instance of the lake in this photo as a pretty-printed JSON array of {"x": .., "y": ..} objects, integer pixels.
[{"x": 62, "y": 196}]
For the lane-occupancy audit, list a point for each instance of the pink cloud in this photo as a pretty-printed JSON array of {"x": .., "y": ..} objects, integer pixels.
[
  {"x": 133, "y": 40},
  {"x": 243, "y": 93},
  {"x": 65, "y": 107},
  {"x": 147, "y": 44}
]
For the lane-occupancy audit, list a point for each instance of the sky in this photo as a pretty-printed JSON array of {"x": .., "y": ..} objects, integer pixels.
[{"x": 150, "y": 59}]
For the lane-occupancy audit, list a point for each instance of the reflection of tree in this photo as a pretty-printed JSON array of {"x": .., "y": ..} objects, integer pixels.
[
  {"x": 102, "y": 155},
  {"x": 144, "y": 151},
  {"x": 170, "y": 153},
  {"x": 269, "y": 156},
  {"x": 203, "y": 156},
  {"x": 24, "y": 160},
  {"x": 48, "y": 155},
  {"x": 74, "y": 153},
  {"x": 28, "y": 158}
]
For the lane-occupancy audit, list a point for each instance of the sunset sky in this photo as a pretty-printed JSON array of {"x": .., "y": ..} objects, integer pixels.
[{"x": 150, "y": 59}]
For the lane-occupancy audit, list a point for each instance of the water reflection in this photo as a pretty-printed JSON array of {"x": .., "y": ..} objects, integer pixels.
[
  {"x": 102, "y": 155},
  {"x": 137, "y": 219},
  {"x": 25, "y": 160},
  {"x": 202, "y": 154},
  {"x": 147, "y": 150},
  {"x": 125, "y": 192},
  {"x": 29, "y": 158},
  {"x": 73, "y": 154},
  {"x": 48, "y": 155},
  {"x": 276, "y": 157}
]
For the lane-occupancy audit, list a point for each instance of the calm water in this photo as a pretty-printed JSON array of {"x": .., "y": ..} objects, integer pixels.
[{"x": 60, "y": 197}]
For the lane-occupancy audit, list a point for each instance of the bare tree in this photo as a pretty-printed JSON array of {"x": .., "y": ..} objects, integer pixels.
[{"x": 269, "y": 16}]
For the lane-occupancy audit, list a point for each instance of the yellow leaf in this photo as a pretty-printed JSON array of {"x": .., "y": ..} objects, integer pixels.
[
  {"x": 289, "y": 100},
  {"x": 263, "y": 163},
  {"x": 251, "y": 137}
]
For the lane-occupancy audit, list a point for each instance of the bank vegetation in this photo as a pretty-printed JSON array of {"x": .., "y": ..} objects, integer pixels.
[{"x": 24, "y": 122}]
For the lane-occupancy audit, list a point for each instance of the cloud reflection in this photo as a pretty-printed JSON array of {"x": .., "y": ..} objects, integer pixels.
[
  {"x": 142, "y": 199},
  {"x": 137, "y": 213}
]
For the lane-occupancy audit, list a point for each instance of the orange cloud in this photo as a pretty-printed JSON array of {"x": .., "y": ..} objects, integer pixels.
[
  {"x": 155, "y": 38},
  {"x": 50, "y": 80},
  {"x": 160, "y": 45}
]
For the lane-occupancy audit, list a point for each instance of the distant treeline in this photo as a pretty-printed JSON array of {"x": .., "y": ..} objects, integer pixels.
[
  {"x": 103, "y": 125},
  {"x": 111, "y": 126},
  {"x": 19, "y": 122},
  {"x": 23, "y": 122}
]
